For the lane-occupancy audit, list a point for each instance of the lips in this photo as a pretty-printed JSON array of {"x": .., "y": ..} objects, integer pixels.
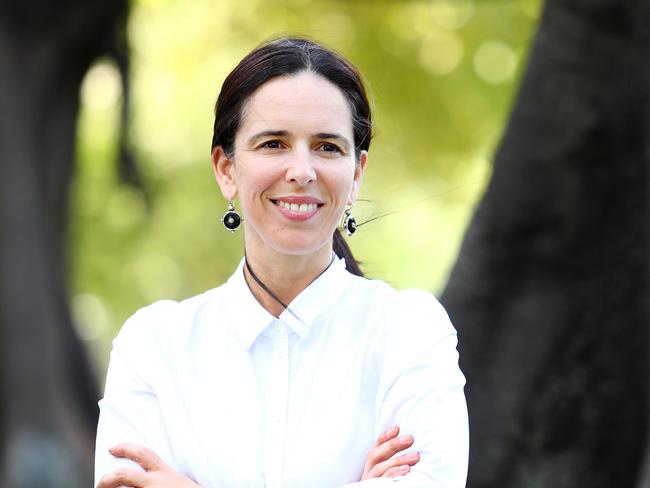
[{"x": 297, "y": 207}]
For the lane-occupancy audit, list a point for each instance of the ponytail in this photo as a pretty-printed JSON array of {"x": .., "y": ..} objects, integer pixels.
[{"x": 342, "y": 250}]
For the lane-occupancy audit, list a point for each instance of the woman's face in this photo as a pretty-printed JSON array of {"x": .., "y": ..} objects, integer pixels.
[{"x": 294, "y": 166}]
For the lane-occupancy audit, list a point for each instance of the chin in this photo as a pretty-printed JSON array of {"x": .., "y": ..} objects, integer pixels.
[{"x": 299, "y": 245}]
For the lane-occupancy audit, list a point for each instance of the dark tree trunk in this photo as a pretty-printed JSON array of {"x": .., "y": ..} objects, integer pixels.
[
  {"x": 550, "y": 290},
  {"x": 49, "y": 396}
]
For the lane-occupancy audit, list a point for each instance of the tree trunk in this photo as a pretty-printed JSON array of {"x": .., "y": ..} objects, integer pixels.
[
  {"x": 49, "y": 406},
  {"x": 550, "y": 290}
]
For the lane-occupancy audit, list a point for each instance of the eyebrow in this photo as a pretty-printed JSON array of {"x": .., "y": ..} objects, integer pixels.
[
  {"x": 284, "y": 133},
  {"x": 267, "y": 133}
]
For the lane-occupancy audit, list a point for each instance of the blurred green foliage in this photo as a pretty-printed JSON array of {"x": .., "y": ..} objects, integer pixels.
[{"x": 441, "y": 73}]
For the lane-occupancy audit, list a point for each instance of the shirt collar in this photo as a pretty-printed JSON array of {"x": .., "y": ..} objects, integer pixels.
[{"x": 250, "y": 319}]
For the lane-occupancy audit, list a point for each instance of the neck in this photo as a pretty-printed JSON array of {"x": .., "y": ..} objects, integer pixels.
[{"x": 284, "y": 275}]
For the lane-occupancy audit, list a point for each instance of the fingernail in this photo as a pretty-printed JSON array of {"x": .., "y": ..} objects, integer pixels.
[
  {"x": 391, "y": 430},
  {"x": 412, "y": 456},
  {"x": 404, "y": 439},
  {"x": 405, "y": 469}
]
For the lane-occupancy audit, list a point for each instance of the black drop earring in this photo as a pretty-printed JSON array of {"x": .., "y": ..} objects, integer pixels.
[
  {"x": 349, "y": 223},
  {"x": 231, "y": 219}
]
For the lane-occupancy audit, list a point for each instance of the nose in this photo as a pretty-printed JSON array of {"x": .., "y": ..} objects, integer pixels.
[{"x": 300, "y": 168}]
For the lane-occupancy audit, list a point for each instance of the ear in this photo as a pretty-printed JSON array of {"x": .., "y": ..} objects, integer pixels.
[
  {"x": 359, "y": 169},
  {"x": 224, "y": 173}
]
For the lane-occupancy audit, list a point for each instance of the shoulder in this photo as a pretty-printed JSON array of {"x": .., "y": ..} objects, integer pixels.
[
  {"x": 162, "y": 320},
  {"x": 156, "y": 336},
  {"x": 413, "y": 314},
  {"x": 403, "y": 327}
]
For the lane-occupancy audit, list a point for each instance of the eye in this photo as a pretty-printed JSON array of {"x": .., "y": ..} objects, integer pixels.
[
  {"x": 271, "y": 144},
  {"x": 330, "y": 148}
]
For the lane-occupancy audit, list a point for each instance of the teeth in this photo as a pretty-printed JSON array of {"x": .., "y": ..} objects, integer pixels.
[{"x": 294, "y": 207}]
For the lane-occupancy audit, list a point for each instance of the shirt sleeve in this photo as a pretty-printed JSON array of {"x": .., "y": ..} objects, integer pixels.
[
  {"x": 129, "y": 410},
  {"x": 426, "y": 399}
]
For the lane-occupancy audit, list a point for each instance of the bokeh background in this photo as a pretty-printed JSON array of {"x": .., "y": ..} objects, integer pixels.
[
  {"x": 442, "y": 75},
  {"x": 509, "y": 175}
]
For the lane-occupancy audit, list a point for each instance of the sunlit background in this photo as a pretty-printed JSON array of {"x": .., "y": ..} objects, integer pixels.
[{"x": 441, "y": 73}]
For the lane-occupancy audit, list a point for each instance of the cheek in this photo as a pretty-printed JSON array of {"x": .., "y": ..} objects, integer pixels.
[
  {"x": 252, "y": 184},
  {"x": 340, "y": 183}
]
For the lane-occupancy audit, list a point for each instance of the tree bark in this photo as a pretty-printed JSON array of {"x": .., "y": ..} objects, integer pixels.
[
  {"x": 550, "y": 289},
  {"x": 49, "y": 406}
]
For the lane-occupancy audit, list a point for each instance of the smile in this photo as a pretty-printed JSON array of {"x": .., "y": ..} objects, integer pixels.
[{"x": 295, "y": 207}]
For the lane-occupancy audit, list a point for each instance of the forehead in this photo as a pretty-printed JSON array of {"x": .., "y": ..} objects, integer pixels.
[{"x": 301, "y": 102}]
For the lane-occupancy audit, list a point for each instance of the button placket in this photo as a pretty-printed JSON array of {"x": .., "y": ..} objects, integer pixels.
[{"x": 277, "y": 408}]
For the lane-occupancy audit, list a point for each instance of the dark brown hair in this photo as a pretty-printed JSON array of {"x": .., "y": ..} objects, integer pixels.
[{"x": 287, "y": 56}]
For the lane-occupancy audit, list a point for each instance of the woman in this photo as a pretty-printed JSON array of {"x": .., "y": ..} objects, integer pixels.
[{"x": 297, "y": 372}]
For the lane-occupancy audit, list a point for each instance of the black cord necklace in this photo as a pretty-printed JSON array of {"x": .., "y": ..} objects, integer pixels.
[
  {"x": 262, "y": 285},
  {"x": 273, "y": 295}
]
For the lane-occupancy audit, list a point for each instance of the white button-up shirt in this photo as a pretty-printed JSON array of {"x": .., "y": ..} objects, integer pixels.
[{"x": 233, "y": 397}]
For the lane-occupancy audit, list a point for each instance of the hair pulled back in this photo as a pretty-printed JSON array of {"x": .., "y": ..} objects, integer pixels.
[{"x": 288, "y": 56}]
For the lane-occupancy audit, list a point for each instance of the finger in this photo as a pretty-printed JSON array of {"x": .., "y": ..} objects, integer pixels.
[
  {"x": 381, "y": 469},
  {"x": 123, "y": 477},
  {"x": 146, "y": 458},
  {"x": 409, "y": 459},
  {"x": 389, "y": 434},
  {"x": 388, "y": 449},
  {"x": 396, "y": 471}
]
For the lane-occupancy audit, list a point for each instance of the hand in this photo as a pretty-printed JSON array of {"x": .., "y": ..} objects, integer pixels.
[
  {"x": 157, "y": 474},
  {"x": 381, "y": 460}
]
